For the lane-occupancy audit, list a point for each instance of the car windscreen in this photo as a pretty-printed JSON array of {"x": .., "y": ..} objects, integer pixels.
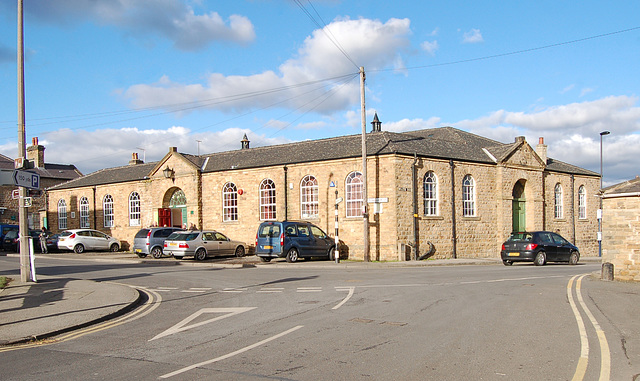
[
  {"x": 142, "y": 233},
  {"x": 271, "y": 231},
  {"x": 521, "y": 237},
  {"x": 183, "y": 236}
]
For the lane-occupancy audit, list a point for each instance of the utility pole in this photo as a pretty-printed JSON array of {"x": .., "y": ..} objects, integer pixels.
[
  {"x": 25, "y": 265},
  {"x": 365, "y": 201}
]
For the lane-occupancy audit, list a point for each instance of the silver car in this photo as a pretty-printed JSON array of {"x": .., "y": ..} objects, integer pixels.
[
  {"x": 80, "y": 240},
  {"x": 201, "y": 244}
]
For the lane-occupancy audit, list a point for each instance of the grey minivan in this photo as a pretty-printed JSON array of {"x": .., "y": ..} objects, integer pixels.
[
  {"x": 150, "y": 241},
  {"x": 292, "y": 240}
]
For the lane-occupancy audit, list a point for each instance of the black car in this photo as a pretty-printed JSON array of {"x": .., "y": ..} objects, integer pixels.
[
  {"x": 538, "y": 247},
  {"x": 11, "y": 242}
]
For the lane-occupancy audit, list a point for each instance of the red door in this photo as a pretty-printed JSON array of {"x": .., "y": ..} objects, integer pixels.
[{"x": 164, "y": 217}]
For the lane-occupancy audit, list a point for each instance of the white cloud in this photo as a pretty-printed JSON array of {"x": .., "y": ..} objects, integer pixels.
[
  {"x": 430, "y": 47},
  {"x": 567, "y": 89},
  {"x": 371, "y": 42},
  {"x": 172, "y": 19},
  {"x": 411, "y": 124},
  {"x": 585, "y": 91},
  {"x": 472, "y": 37}
]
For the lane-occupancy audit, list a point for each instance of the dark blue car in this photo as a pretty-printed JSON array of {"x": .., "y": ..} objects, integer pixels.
[{"x": 292, "y": 240}]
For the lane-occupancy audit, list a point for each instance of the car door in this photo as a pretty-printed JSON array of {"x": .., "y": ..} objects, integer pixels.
[
  {"x": 322, "y": 242},
  {"x": 563, "y": 247},
  {"x": 99, "y": 241},
  {"x": 549, "y": 245},
  {"x": 210, "y": 243},
  {"x": 305, "y": 240},
  {"x": 225, "y": 247}
]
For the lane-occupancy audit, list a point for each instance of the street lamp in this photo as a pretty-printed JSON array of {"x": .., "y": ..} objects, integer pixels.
[{"x": 603, "y": 133}]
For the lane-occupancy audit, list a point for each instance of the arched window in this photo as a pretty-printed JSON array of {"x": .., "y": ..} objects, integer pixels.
[
  {"x": 582, "y": 202},
  {"x": 229, "y": 202},
  {"x": 134, "y": 209},
  {"x": 267, "y": 200},
  {"x": 354, "y": 192},
  {"x": 309, "y": 197},
  {"x": 468, "y": 196},
  {"x": 178, "y": 199},
  {"x": 84, "y": 213},
  {"x": 107, "y": 207},
  {"x": 430, "y": 186},
  {"x": 557, "y": 210},
  {"x": 62, "y": 214}
]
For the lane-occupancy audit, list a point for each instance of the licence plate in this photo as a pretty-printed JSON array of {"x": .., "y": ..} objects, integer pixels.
[
  {"x": 513, "y": 254},
  {"x": 173, "y": 244},
  {"x": 138, "y": 250},
  {"x": 267, "y": 247}
]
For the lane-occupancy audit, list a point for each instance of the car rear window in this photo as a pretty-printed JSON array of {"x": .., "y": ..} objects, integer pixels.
[
  {"x": 521, "y": 237},
  {"x": 184, "y": 236},
  {"x": 271, "y": 231},
  {"x": 142, "y": 233},
  {"x": 65, "y": 233}
]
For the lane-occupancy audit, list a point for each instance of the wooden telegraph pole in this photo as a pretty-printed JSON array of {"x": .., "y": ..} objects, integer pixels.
[{"x": 365, "y": 202}]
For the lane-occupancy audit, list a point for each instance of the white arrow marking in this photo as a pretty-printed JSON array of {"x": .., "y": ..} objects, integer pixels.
[{"x": 182, "y": 326}]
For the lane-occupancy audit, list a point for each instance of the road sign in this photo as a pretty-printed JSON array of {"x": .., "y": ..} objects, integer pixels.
[
  {"x": 26, "y": 179},
  {"x": 15, "y": 194},
  {"x": 28, "y": 201}
]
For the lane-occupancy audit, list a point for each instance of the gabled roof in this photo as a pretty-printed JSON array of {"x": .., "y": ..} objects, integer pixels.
[
  {"x": 51, "y": 171},
  {"x": 628, "y": 187},
  {"x": 440, "y": 143}
]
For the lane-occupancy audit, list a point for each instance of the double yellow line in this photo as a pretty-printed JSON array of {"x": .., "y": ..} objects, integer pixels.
[
  {"x": 153, "y": 301},
  {"x": 605, "y": 354}
]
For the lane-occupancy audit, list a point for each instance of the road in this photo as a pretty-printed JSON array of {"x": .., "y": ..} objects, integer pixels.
[{"x": 486, "y": 322}]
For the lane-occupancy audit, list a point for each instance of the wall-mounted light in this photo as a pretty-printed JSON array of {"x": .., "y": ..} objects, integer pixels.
[{"x": 168, "y": 173}]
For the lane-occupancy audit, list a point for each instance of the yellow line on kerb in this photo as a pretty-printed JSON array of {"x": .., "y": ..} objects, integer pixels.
[
  {"x": 581, "y": 368},
  {"x": 605, "y": 354}
]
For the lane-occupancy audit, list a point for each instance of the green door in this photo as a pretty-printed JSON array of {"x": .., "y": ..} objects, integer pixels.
[{"x": 518, "y": 212}]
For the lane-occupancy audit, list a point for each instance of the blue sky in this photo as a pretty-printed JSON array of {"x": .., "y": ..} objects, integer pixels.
[{"x": 108, "y": 78}]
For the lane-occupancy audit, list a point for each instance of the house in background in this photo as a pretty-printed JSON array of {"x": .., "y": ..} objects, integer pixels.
[
  {"x": 621, "y": 229},
  {"x": 460, "y": 192},
  {"x": 50, "y": 174}
]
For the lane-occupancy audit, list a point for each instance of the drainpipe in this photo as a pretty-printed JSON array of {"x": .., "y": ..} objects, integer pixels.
[
  {"x": 95, "y": 214},
  {"x": 286, "y": 192},
  {"x": 453, "y": 210},
  {"x": 573, "y": 210},
  {"x": 414, "y": 190}
]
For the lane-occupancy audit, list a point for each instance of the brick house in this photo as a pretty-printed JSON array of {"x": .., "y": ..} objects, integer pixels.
[
  {"x": 621, "y": 229},
  {"x": 461, "y": 192},
  {"x": 50, "y": 175}
]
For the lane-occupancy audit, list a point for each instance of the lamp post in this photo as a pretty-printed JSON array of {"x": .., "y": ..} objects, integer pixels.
[{"x": 603, "y": 133}]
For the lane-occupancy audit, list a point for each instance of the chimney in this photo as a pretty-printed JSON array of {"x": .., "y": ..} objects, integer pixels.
[
  {"x": 245, "y": 142},
  {"x": 376, "y": 124},
  {"x": 134, "y": 159},
  {"x": 541, "y": 150},
  {"x": 173, "y": 149},
  {"x": 35, "y": 153},
  {"x": 520, "y": 139}
]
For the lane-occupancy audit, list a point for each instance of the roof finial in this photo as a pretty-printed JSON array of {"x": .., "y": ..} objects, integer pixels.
[{"x": 377, "y": 125}]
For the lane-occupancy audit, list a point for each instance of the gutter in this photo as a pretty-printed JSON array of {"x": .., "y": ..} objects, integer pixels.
[{"x": 616, "y": 195}]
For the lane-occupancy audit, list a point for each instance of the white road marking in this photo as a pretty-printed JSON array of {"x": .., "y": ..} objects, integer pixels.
[
  {"x": 239, "y": 351},
  {"x": 182, "y": 326},
  {"x": 273, "y": 289},
  {"x": 350, "y": 289},
  {"x": 309, "y": 289}
]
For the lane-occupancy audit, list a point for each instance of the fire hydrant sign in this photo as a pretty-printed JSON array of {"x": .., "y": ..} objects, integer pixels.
[{"x": 26, "y": 179}]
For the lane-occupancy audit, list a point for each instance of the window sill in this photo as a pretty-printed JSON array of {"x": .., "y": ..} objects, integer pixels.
[{"x": 471, "y": 218}]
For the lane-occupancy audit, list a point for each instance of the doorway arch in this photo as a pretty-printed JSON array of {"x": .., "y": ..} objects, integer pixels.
[
  {"x": 518, "y": 208},
  {"x": 174, "y": 209}
]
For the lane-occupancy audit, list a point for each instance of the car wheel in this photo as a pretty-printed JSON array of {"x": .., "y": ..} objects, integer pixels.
[
  {"x": 265, "y": 259},
  {"x": 574, "y": 258},
  {"x": 240, "y": 251},
  {"x": 507, "y": 263},
  {"x": 78, "y": 249},
  {"x": 201, "y": 254},
  {"x": 541, "y": 259},
  {"x": 114, "y": 248},
  {"x": 156, "y": 252},
  {"x": 292, "y": 255},
  {"x": 331, "y": 253}
]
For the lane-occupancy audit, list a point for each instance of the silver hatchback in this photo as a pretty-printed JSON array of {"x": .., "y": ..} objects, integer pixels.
[{"x": 202, "y": 244}]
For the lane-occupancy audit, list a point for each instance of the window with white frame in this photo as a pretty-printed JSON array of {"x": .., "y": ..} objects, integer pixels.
[
  {"x": 354, "y": 193},
  {"x": 309, "y": 203},
  {"x": 267, "y": 200},
  {"x": 557, "y": 209},
  {"x": 468, "y": 196},
  {"x": 582, "y": 202},
  {"x": 84, "y": 213},
  {"x": 134, "y": 209},
  {"x": 62, "y": 214},
  {"x": 229, "y": 202},
  {"x": 107, "y": 207},
  {"x": 430, "y": 186}
]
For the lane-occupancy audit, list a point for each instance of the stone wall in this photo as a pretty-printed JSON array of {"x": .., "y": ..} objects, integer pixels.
[{"x": 621, "y": 236}]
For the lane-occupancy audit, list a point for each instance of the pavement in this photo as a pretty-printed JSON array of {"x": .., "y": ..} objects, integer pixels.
[{"x": 31, "y": 311}]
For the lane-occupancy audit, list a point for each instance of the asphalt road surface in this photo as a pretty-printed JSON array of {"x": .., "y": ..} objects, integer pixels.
[{"x": 488, "y": 322}]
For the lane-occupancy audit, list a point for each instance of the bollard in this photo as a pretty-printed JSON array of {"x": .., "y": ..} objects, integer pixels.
[{"x": 607, "y": 271}]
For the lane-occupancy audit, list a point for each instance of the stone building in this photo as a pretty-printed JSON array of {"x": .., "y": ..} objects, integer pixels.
[
  {"x": 458, "y": 192},
  {"x": 621, "y": 229},
  {"x": 50, "y": 175}
]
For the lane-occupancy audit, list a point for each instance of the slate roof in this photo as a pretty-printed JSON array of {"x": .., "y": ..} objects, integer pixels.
[
  {"x": 51, "y": 171},
  {"x": 441, "y": 143},
  {"x": 629, "y": 186}
]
